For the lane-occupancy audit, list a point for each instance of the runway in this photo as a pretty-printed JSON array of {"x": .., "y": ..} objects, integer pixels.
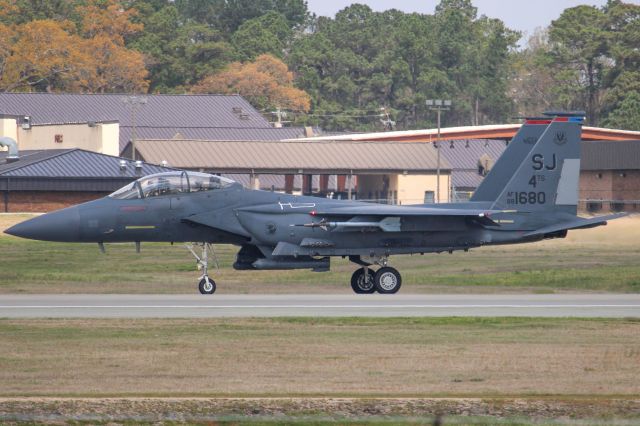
[{"x": 375, "y": 305}]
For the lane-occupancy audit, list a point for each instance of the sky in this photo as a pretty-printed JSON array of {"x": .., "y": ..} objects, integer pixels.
[{"x": 521, "y": 15}]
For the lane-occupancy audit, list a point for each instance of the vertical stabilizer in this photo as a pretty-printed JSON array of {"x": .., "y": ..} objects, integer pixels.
[
  {"x": 521, "y": 144},
  {"x": 547, "y": 179}
]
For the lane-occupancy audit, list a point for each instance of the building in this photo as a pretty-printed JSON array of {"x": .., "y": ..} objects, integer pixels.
[
  {"x": 610, "y": 176},
  {"x": 494, "y": 131},
  {"x": 388, "y": 172},
  {"x": 105, "y": 123},
  {"x": 45, "y": 180}
]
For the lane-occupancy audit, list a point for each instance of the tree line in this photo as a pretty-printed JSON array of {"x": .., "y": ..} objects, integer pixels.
[{"x": 348, "y": 72}]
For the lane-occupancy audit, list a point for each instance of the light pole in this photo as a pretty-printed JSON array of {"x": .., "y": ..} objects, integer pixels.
[
  {"x": 438, "y": 105},
  {"x": 134, "y": 102}
]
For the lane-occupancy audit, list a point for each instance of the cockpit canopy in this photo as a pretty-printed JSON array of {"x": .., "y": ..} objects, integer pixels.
[{"x": 171, "y": 183}]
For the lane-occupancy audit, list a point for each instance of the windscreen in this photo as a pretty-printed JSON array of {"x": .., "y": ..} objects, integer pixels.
[
  {"x": 128, "y": 192},
  {"x": 173, "y": 183},
  {"x": 206, "y": 182}
]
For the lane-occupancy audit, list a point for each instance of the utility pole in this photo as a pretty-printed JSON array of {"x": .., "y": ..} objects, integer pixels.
[
  {"x": 386, "y": 120},
  {"x": 438, "y": 105},
  {"x": 134, "y": 102}
]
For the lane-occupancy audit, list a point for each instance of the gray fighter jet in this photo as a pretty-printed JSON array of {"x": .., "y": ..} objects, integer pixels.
[{"x": 531, "y": 194}]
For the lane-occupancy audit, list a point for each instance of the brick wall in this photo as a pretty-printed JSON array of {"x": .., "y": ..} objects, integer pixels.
[
  {"x": 596, "y": 185},
  {"x": 610, "y": 185},
  {"x": 626, "y": 185},
  {"x": 43, "y": 201}
]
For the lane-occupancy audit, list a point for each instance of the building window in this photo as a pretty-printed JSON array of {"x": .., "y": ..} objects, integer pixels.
[
  {"x": 58, "y": 138},
  {"x": 623, "y": 175},
  {"x": 594, "y": 206},
  {"x": 429, "y": 197},
  {"x": 599, "y": 175},
  {"x": 617, "y": 206}
]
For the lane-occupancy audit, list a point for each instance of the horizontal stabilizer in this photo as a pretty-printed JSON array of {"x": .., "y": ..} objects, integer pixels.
[{"x": 579, "y": 223}]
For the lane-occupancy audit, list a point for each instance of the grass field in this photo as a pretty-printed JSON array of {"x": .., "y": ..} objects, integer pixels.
[
  {"x": 401, "y": 357},
  {"x": 508, "y": 371},
  {"x": 600, "y": 259}
]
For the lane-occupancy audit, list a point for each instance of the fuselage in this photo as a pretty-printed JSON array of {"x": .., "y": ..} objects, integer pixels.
[{"x": 235, "y": 215}]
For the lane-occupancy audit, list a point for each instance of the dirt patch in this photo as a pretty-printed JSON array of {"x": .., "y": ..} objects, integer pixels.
[{"x": 211, "y": 409}]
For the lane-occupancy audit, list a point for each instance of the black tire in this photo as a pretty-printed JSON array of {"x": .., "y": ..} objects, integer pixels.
[
  {"x": 388, "y": 280},
  {"x": 207, "y": 289},
  {"x": 359, "y": 286}
]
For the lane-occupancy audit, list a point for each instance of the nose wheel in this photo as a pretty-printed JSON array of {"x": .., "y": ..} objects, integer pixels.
[{"x": 207, "y": 285}]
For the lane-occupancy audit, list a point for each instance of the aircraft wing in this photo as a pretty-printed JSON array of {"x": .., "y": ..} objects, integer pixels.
[{"x": 579, "y": 223}]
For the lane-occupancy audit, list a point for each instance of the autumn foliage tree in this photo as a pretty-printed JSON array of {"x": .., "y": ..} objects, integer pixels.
[
  {"x": 43, "y": 55},
  {"x": 265, "y": 82},
  {"x": 61, "y": 55}
]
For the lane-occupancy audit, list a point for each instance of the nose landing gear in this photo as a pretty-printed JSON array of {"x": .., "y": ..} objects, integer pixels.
[{"x": 206, "y": 285}]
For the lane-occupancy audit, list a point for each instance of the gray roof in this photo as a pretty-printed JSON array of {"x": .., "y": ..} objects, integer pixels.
[
  {"x": 71, "y": 163},
  {"x": 213, "y": 133},
  {"x": 610, "y": 155},
  {"x": 465, "y": 179},
  {"x": 465, "y": 153},
  {"x": 284, "y": 157},
  {"x": 160, "y": 110},
  {"x": 194, "y": 116}
]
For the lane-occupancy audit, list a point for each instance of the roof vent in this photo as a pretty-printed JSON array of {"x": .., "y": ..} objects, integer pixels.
[
  {"x": 123, "y": 165},
  {"x": 139, "y": 165},
  {"x": 244, "y": 116},
  {"x": 13, "y": 149},
  {"x": 26, "y": 123},
  {"x": 236, "y": 110},
  {"x": 164, "y": 163}
]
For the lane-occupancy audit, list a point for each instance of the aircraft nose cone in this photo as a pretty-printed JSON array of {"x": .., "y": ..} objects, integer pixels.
[{"x": 62, "y": 225}]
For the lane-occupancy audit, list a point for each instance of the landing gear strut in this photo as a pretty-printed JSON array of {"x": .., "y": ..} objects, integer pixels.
[
  {"x": 206, "y": 285},
  {"x": 386, "y": 280}
]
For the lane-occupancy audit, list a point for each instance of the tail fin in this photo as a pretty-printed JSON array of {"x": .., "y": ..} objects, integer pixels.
[
  {"x": 510, "y": 160},
  {"x": 547, "y": 179}
]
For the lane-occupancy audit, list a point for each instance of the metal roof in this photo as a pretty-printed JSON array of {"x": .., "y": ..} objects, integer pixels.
[
  {"x": 159, "y": 111},
  {"x": 466, "y": 179},
  {"x": 72, "y": 163},
  {"x": 194, "y": 116},
  {"x": 605, "y": 155},
  {"x": 292, "y": 156},
  {"x": 212, "y": 133},
  {"x": 464, "y": 154}
]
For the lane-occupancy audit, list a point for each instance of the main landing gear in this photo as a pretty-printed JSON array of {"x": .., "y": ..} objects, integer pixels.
[
  {"x": 386, "y": 280},
  {"x": 206, "y": 285}
]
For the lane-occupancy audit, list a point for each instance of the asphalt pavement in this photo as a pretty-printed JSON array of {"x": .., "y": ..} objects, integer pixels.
[{"x": 374, "y": 305}]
